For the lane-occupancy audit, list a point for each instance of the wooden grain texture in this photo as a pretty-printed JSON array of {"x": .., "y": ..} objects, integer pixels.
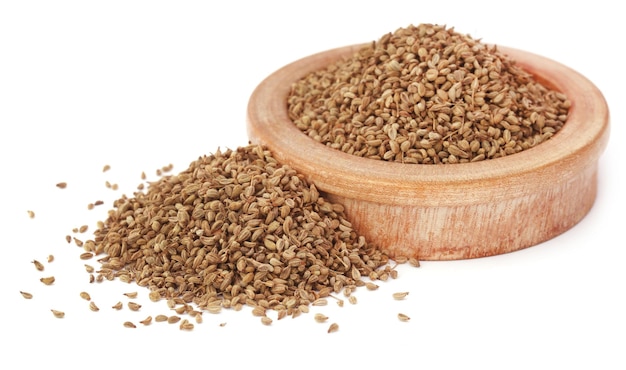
[{"x": 455, "y": 211}]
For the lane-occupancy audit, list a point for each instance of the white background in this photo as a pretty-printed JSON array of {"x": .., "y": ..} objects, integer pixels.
[{"x": 142, "y": 84}]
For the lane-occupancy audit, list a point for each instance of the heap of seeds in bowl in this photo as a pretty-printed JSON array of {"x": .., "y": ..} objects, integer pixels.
[
  {"x": 426, "y": 94},
  {"x": 235, "y": 228}
]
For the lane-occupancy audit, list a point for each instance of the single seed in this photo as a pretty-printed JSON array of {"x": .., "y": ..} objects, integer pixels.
[
  {"x": 414, "y": 262},
  {"x": 266, "y": 320},
  {"x": 131, "y": 295},
  {"x": 26, "y": 295},
  {"x": 320, "y": 317},
  {"x": 47, "y": 280},
  {"x": 85, "y": 296},
  {"x": 83, "y": 228},
  {"x": 58, "y": 314},
  {"x": 50, "y": 258},
  {"x": 222, "y": 324},
  {"x": 320, "y": 302},
  {"x": 106, "y": 168},
  {"x": 400, "y": 295},
  {"x": 61, "y": 185},
  {"x": 186, "y": 325},
  {"x": 403, "y": 317},
  {"x": 161, "y": 318},
  {"x": 371, "y": 286},
  {"x": 333, "y": 328},
  {"x": 93, "y": 307},
  {"x": 128, "y": 324},
  {"x": 68, "y": 238},
  {"x": 86, "y": 256},
  {"x": 118, "y": 306},
  {"x": 31, "y": 214},
  {"x": 38, "y": 265},
  {"x": 134, "y": 306},
  {"x": 352, "y": 299},
  {"x": 89, "y": 268},
  {"x": 173, "y": 319},
  {"x": 146, "y": 321}
]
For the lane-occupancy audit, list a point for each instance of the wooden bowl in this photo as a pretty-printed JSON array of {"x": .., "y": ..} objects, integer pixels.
[{"x": 449, "y": 211}]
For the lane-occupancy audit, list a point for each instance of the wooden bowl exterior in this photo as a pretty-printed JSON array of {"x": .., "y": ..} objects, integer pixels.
[{"x": 452, "y": 211}]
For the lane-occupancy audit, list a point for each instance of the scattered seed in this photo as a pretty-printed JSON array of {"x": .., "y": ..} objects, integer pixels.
[
  {"x": 85, "y": 296},
  {"x": 118, "y": 306},
  {"x": 134, "y": 306},
  {"x": 400, "y": 295},
  {"x": 47, "y": 280},
  {"x": 146, "y": 321},
  {"x": 128, "y": 324},
  {"x": 222, "y": 324},
  {"x": 371, "y": 286},
  {"x": 93, "y": 307},
  {"x": 161, "y": 318},
  {"x": 186, "y": 325},
  {"x": 61, "y": 185},
  {"x": 58, "y": 314},
  {"x": 414, "y": 262},
  {"x": 403, "y": 317},
  {"x": 68, "y": 238},
  {"x": 106, "y": 168},
  {"x": 352, "y": 299},
  {"x": 50, "y": 258},
  {"x": 31, "y": 214},
  {"x": 131, "y": 295},
  {"x": 173, "y": 319},
  {"x": 320, "y": 317},
  {"x": 83, "y": 228},
  {"x": 38, "y": 265},
  {"x": 320, "y": 302},
  {"x": 266, "y": 320},
  {"x": 198, "y": 318},
  {"x": 89, "y": 268},
  {"x": 333, "y": 328},
  {"x": 26, "y": 295}
]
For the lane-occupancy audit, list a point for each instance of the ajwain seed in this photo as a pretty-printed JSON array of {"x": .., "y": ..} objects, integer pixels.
[
  {"x": 403, "y": 317},
  {"x": 146, "y": 321},
  {"x": 333, "y": 328},
  {"x": 38, "y": 265},
  {"x": 85, "y": 296},
  {"x": 50, "y": 258},
  {"x": 31, "y": 214},
  {"x": 93, "y": 307},
  {"x": 47, "y": 280},
  {"x": 131, "y": 295},
  {"x": 128, "y": 324},
  {"x": 61, "y": 185},
  {"x": 58, "y": 314},
  {"x": 118, "y": 306},
  {"x": 266, "y": 320},
  {"x": 161, "y": 318},
  {"x": 400, "y": 295},
  {"x": 173, "y": 319},
  {"x": 186, "y": 325},
  {"x": 134, "y": 306},
  {"x": 320, "y": 317},
  {"x": 26, "y": 295}
]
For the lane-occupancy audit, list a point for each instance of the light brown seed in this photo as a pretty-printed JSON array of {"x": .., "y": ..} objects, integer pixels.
[
  {"x": 68, "y": 238},
  {"x": 128, "y": 324},
  {"x": 146, "y": 321},
  {"x": 83, "y": 228},
  {"x": 333, "y": 327},
  {"x": 38, "y": 265},
  {"x": 266, "y": 320},
  {"x": 118, "y": 306},
  {"x": 58, "y": 314},
  {"x": 154, "y": 296},
  {"x": 134, "y": 306},
  {"x": 222, "y": 324},
  {"x": 320, "y": 302},
  {"x": 26, "y": 295},
  {"x": 47, "y": 280},
  {"x": 89, "y": 268},
  {"x": 186, "y": 325},
  {"x": 106, "y": 168},
  {"x": 403, "y": 317},
  {"x": 320, "y": 317},
  {"x": 414, "y": 262},
  {"x": 198, "y": 318},
  {"x": 400, "y": 295},
  {"x": 93, "y": 307},
  {"x": 61, "y": 185},
  {"x": 86, "y": 256},
  {"x": 161, "y": 318},
  {"x": 85, "y": 296},
  {"x": 352, "y": 299},
  {"x": 50, "y": 258},
  {"x": 131, "y": 295},
  {"x": 371, "y": 286},
  {"x": 31, "y": 214},
  {"x": 173, "y": 319}
]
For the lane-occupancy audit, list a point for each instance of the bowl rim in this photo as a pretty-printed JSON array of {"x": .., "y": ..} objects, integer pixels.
[{"x": 578, "y": 144}]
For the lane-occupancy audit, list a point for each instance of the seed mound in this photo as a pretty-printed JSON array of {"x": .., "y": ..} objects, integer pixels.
[
  {"x": 426, "y": 95},
  {"x": 235, "y": 228}
]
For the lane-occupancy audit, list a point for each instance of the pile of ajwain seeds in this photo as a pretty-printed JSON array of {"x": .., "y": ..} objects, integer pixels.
[
  {"x": 427, "y": 95},
  {"x": 235, "y": 229}
]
